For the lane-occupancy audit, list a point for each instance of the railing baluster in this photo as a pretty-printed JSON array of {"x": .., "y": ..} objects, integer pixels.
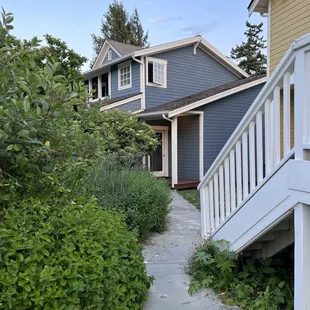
[
  {"x": 206, "y": 210},
  {"x": 245, "y": 165},
  {"x": 232, "y": 180},
  {"x": 268, "y": 137},
  {"x": 227, "y": 187},
  {"x": 259, "y": 145},
  {"x": 211, "y": 199},
  {"x": 222, "y": 201},
  {"x": 216, "y": 200},
  {"x": 239, "y": 172},
  {"x": 252, "y": 155},
  {"x": 276, "y": 124},
  {"x": 287, "y": 112}
]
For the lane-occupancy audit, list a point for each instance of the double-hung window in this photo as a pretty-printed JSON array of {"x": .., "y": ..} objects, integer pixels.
[
  {"x": 156, "y": 72},
  {"x": 124, "y": 75}
]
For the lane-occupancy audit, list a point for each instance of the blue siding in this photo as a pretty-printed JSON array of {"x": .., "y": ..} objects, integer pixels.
[
  {"x": 135, "y": 89},
  {"x": 131, "y": 106},
  {"x": 188, "y": 147},
  {"x": 220, "y": 120},
  {"x": 114, "y": 56},
  {"x": 187, "y": 74}
]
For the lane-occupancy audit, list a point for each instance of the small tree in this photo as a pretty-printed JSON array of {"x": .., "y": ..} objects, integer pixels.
[
  {"x": 57, "y": 50},
  {"x": 138, "y": 37},
  {"x": 117, "y": 25},
  {"x": 250, "y": 53}
]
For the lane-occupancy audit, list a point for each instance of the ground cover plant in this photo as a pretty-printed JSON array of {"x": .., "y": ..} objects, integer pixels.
[{"x": 256, "y": 284}]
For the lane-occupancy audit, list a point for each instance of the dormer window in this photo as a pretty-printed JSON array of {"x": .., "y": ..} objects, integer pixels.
[
  {"x": 156, "y": 72},
  {"x": 109, "y": 55}
]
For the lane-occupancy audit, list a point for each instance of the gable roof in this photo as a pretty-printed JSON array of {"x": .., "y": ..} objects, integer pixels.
[
  {"x": 134, "y": 51},
  {"x": 196, "y": 100},
  {"x": 124, "y": 48}
]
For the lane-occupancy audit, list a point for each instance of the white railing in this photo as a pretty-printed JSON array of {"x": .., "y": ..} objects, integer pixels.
[{"x": 274, "y": 130}]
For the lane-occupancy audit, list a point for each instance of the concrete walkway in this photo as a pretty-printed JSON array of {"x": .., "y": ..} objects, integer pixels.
[{"x": 165, "y": 256}]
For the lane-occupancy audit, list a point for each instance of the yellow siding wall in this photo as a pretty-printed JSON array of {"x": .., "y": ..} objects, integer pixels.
[{"x": 290, "y": 19}]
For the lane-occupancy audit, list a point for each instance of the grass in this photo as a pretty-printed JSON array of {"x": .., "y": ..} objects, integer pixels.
[{"x": 192, "y": 196}]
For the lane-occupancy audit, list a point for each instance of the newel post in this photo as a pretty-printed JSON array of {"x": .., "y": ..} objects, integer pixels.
[{"x": 299, "y": 102}]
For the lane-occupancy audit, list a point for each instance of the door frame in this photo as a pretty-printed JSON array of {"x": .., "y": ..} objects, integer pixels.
[{"x": 165, "y": 151}]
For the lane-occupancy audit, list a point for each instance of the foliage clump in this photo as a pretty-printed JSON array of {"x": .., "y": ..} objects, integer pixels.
[
  {"x": 142, "y": 198},
  {"x": 250, "y": 54},
  {"x": 256, "y": 284},
  {"x": 69, "y": 257}
]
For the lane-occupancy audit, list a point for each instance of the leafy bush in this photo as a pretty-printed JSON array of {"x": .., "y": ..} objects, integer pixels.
[
  {"x": 126, "y": 136},
  {"x": 256, "y": 284},
  {"x": 48, "y": 136},
  {"x": 69, "y": 257},
  {"x": 143, "y": 198}
]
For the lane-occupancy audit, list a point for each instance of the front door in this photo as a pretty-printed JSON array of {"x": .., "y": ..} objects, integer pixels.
[{"x": 158, "y": 160}]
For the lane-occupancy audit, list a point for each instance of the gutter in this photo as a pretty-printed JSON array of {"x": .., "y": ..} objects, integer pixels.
[{"x": 167, "y": 118}]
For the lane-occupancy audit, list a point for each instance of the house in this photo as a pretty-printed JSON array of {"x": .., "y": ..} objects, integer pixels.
[
  {"x": 189, "y": 92},
  {"x": 256, "y": 194}
]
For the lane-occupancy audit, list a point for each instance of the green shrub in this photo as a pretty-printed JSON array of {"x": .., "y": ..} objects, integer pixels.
[
  {"x": 256, "y": 284},
  {"x": 71, "y": 257},
  {"x": 141, "y": 197}
]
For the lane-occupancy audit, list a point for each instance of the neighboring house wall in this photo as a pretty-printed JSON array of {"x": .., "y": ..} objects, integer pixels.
[
  {"x": 187, "y": 74},
  {"x": 220, "y": 120},
  {"x": 188, "y": 147},
  {"x": 135, "y": 83},
  {"x": 290, "y": 19},
  {"x": 114, "y": 56},
  {"x": 130, "y": 107}
]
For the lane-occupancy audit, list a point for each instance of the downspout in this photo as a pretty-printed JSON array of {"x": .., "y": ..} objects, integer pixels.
[
  {"x": 142, "y": 81},
  {"x": 167, "y": 118}
]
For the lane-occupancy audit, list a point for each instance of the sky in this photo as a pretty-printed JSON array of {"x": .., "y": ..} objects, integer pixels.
[{"x": 221, "y": 22}]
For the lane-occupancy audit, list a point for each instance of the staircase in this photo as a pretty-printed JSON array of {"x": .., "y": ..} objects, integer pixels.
[{"x": 256, "y": 194}]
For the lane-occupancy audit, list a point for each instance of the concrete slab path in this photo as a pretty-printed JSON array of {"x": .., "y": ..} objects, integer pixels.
[{"x": 165, "y": 257}]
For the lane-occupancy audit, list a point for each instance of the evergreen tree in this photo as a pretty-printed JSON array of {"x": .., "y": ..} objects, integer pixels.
[
  {"x": 250, "y": 53},
  {"x": 117, "y": 25},
  {"x": 138, "y": 37}
]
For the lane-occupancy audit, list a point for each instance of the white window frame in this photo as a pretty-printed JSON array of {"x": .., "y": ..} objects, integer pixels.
[
  {"x": 109, "y": 54},
  {"x": 121, "y": 66},
  {"x": 162, "y": 62}
]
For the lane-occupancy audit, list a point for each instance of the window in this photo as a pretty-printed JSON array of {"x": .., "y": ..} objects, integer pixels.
[
  {"x": 109, "y": 55},
  {"x": 156, "y": 72},
  {"x": 124, "y": 75}
]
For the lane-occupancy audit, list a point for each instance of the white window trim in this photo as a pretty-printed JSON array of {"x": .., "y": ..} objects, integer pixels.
[
  {"x": 120, "y": 66},
  {"x": 109, "y": 54},
  {"x": 161, "y": 61}
]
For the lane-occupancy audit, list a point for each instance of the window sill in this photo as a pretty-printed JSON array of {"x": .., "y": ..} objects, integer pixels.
[
  {"x": 125, "y": 87},
  {"x": 156, "y": 85}
]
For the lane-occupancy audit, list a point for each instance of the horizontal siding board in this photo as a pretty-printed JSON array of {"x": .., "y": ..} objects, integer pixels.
[
  {"x": 221, "y": 119},
  {"x": 188, "y": 147},
  {"x": 290, "y": 20},
  {"x": 130, "y": 107},
  {"x": 187, "y": 74},
  {"x": 114, "y": 56},
  {"x": 135, "y": 81}
]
